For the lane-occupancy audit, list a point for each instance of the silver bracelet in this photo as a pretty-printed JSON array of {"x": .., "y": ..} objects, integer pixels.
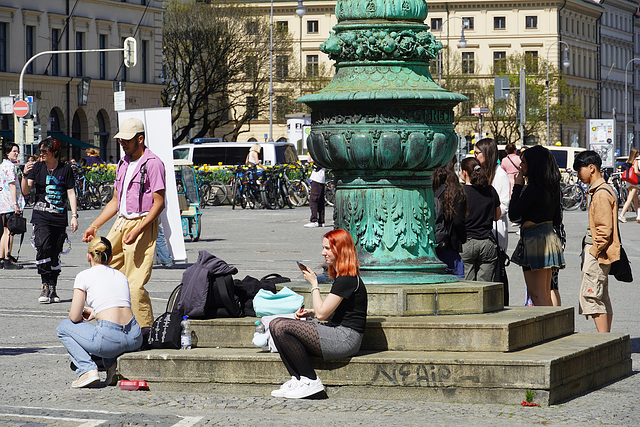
[{"x": 315, "y": 289}]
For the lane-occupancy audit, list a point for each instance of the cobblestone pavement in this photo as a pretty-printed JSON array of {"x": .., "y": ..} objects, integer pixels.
[{"x": 35, "y": 367}]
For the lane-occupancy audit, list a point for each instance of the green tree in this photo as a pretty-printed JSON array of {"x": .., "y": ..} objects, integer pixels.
[
  {"x": 216, "y": 67},
  {"x": 502, "y": 122}
]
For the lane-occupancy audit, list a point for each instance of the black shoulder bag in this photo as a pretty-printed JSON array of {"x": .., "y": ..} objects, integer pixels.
[{"x": 620, "y": 269}]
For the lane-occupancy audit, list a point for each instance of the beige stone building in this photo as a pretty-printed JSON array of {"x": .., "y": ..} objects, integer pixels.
[
  {"x": 494, "y": 31},
  {"x": 30, "y": 27}
]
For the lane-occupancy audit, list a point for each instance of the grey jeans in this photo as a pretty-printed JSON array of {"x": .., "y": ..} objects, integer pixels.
[{"x": 479, "y": 258}]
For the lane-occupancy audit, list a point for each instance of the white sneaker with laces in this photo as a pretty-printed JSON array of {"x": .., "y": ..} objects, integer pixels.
[
  {"x": 289, "y": 385},
  {"x": 621, "y": 218},
  {"x": 305, "y": 388},
  {"x": 311, "y": 225}
]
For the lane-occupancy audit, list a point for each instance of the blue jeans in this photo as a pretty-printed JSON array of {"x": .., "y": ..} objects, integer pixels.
[
  {"x": 107, "y": 340},
  {"x": 162, "y": 250},
  {"x": 453, "y": 260}
]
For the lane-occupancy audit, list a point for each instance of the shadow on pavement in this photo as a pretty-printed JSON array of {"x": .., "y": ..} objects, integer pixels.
[{"x": 16, "y": 351}]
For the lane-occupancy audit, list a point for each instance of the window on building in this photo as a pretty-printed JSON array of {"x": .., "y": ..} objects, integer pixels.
[
  {"x": 499, "y": 62},
  {"x": 55, "y": 45},
  {"x": 282, "y": 27},
  {"x": 252, "y": 107},
  {"x": 251, "y": 27},
  {"x": 144, "y": 58},
  {"x": 282, "y": 67},
  {"x": 3, "y": 46},
  {"x": 436, "y": 24},
  {"x": 531, "y": 22},
  {"x": 312, "y": 27},
  {"x": 312, "y": 66},
  {"x": 282, "y": 108},
  {"x": 467, "y": 23},
  {"x": 102, "y": 42},
  {"x": 30, "y": 48},
  {"x": 531, "y": 61},
  {"x": 79, "y": 56},
  {"x": 499, "y": 22},
  {"x": 251, "y": 67},
  {"x": 468, "y": 63}
]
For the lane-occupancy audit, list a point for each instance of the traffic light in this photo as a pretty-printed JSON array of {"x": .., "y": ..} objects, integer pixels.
[{"x": 130, "y": 52}]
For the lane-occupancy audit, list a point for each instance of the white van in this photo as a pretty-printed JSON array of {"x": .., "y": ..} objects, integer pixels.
[
  {"x": 564, "y": 155},
  {"x": 235, "y": 153}
]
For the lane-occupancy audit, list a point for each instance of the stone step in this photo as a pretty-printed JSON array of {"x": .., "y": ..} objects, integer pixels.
[
  {"x": 556, "y": 371},
  {"x": 419, "y": 300},
  {"x": 506, "y": 330}
]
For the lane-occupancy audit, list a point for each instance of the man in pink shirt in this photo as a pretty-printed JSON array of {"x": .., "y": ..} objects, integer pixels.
[{"x": 138, "y": 200}]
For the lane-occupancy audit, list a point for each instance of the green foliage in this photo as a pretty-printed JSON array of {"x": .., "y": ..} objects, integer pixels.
[{"x": 529, "y": 395}]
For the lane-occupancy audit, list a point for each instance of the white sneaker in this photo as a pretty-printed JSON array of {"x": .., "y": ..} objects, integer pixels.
[
  {"x": 621, "y": 218},
  {"x": 312, "y": 225},
  {"x": 289, "y": 385},
  {"x": 305, "y": 388},
  {"x": 86, "y": 379}
]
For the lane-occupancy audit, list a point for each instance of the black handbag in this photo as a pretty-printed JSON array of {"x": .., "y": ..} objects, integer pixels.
[
  {"x": 165, "y": 330},
  {"x": 17, "y": 224},
  {"x": 621, "y": 269}
]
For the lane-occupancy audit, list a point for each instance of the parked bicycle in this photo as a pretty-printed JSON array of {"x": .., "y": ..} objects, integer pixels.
[
  {"x": 87, "y": 194},
  {"x": 275, "y": 193},
  {"x": 574, "y": 193}
]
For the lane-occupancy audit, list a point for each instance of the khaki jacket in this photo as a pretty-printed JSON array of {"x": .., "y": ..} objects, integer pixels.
[{"x": 603, "y": 223}]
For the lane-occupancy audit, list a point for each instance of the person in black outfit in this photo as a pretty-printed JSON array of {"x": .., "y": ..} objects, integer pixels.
[
  {"x": 479, "y": 252},
  {"x": 537, "y": 208},
  {"x": 54, "y": 183},
  {"x": 450, "y": 211},
  {"x": 345, "y": 312}
]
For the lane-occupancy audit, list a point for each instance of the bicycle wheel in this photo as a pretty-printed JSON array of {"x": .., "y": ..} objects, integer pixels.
[
  {"x": 330, "y": 193},
  {"x": 218, "y": 194},
  {"x": 95, "y": 201},
  {"x": 299, "y": 193},
  {"x": 106, "y": 193},
  {"x": 269, "y": 195},
  {"x": 572, "y": 197},
  {"x": 204, "y": 192},
  {"x": 622, "y": 197},
  {"x": 235, "y": 194}
]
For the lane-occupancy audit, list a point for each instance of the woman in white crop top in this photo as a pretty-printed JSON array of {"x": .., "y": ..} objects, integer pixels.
[{"x": 106, "y": 294}]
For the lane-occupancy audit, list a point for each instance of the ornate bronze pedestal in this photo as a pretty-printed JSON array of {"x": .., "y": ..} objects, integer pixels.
[{"x": 383, "y": 125}]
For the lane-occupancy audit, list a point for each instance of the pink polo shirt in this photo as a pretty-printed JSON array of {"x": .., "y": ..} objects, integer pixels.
[{"x": 154, "y": 181}]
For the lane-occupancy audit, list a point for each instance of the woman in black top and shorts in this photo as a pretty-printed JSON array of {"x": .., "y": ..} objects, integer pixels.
[
  {"x": 537, "y": 208},
  {"x": 344, "y": 309}
]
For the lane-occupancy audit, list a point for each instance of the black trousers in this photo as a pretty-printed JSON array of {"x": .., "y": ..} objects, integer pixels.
[
  {"x": 49, "y": 242},
  {"x": 316, "y": 202}
]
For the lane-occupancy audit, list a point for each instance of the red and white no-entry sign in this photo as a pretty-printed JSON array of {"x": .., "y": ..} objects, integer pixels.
[{"x": 20, "y": 108}]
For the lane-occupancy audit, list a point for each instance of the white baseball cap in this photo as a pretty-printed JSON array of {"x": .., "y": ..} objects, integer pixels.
[{"x": 129, "y": 128}]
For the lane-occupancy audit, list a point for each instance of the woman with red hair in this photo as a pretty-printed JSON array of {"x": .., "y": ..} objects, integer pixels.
[{"x": 344, "y": 310}]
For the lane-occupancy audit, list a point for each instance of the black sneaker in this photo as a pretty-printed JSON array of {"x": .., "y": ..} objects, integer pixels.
[
  {"x": 1, "y": 264},
  {"x": 10, "y": 265},
  {"x": 44, "y": 295},
  {"x": 12, "y": 258},
  {"x": 53, "y": 296}
]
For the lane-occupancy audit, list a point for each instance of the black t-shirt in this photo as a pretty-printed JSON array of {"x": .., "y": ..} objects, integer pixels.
[
  {"x": 352, "y": 311},
  {"x": 51, "y": 193},
  {"x": 482, "y": 203},
  {"x": 534, "y": 203}
]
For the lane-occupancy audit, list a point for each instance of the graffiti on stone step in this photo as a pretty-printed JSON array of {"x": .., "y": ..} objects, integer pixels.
[{"x": 412, "y": 374}]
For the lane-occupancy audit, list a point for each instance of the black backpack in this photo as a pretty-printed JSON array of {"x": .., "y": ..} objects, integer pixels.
[
  {"x": 165, "y": 330},
  {"x": 248, "y": 287}
]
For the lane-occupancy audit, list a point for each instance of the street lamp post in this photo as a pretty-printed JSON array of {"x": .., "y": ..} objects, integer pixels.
[
  {"x": 300, "y": 11},
  {"x": 462, "y": 43},
  {"x": 271, "y": 80},
  {"x": 566, "y": 63},
  {"x": 626, "y": 102}
]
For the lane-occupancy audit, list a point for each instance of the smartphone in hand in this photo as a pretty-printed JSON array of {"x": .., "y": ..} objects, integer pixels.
[{"x": 301, "y": 266}]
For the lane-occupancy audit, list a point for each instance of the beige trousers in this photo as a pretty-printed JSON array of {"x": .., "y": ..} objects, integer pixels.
[{"x": 136, "y": 262}]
